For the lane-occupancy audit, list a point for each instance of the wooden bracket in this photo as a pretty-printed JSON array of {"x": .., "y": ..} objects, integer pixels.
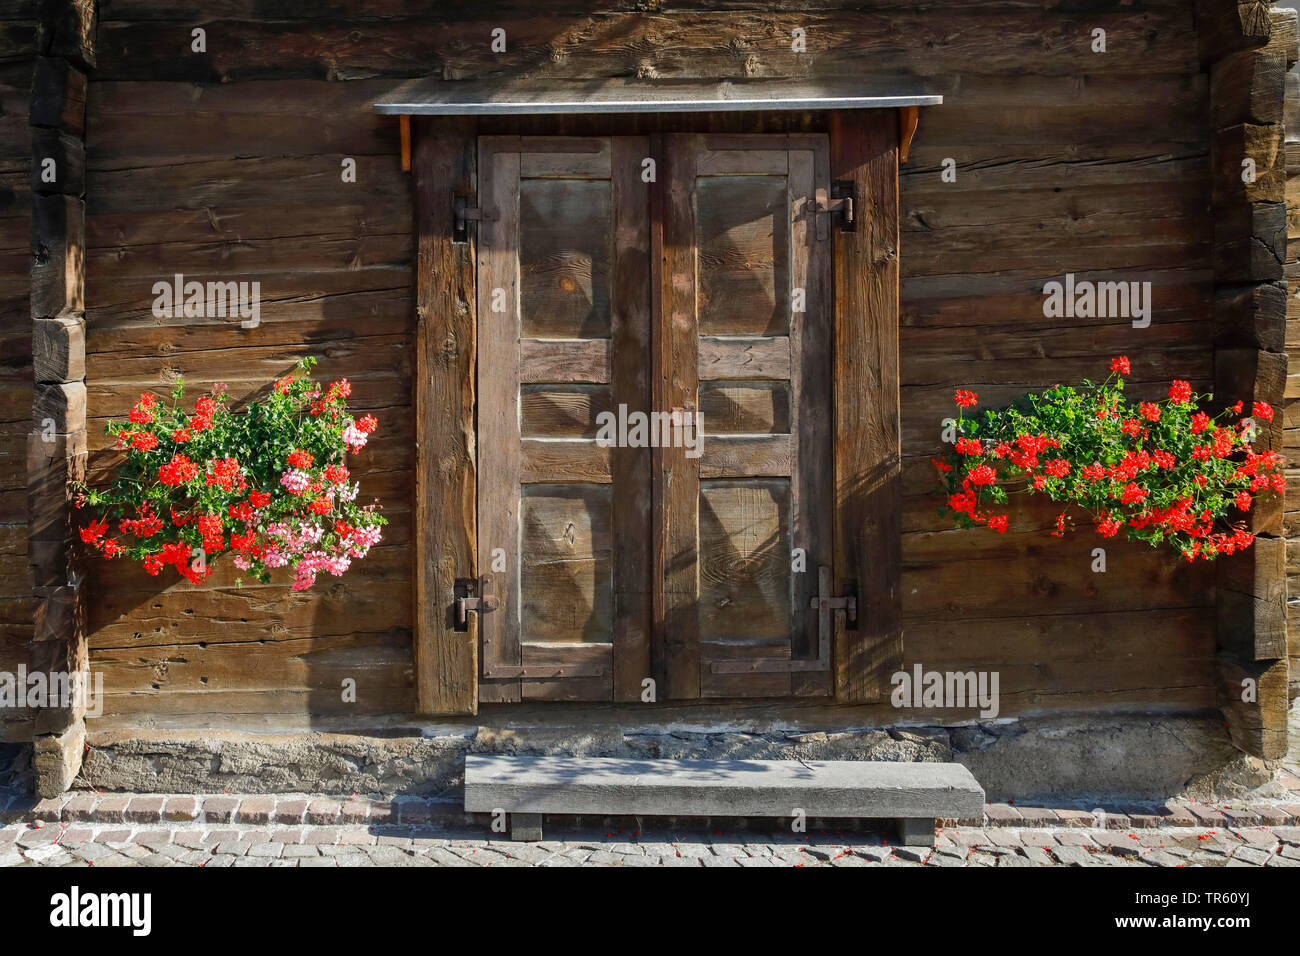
[
  {"x": 405, "y": 122},
  {"x": 908, "y": 118}
]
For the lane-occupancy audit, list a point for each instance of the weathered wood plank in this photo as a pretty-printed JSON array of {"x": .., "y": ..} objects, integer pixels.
[
  {"x": 631, "y": 467},
  {"x": 500, "y": 455},
  {"x": 445, "y": 660},
  {"x": 677, "y": 364},
  {"x": 867, "y": 541}
]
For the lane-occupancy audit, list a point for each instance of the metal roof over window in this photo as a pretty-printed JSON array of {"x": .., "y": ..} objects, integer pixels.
[{"x": 435, "y": 97}]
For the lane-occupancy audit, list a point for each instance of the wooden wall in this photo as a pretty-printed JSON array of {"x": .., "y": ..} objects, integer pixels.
[
  {"x": 225, "y": 165},
  {"x": 17, "y": 61}
]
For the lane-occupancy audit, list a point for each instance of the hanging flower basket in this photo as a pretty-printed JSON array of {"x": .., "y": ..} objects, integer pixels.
[
  {"x": 1162, "y": 472},
  {"x": 268, "y": 484}
]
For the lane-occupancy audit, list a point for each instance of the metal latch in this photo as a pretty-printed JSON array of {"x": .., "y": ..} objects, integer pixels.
[
  {"x": 838, "y": 205},
  {"x": 485, "y": 600},
  {"x": 823, "y": 602},
  {"x": 462, "y": 213}
]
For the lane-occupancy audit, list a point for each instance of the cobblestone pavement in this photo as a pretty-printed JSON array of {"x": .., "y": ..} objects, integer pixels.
[{"x": 70, "y": 844}]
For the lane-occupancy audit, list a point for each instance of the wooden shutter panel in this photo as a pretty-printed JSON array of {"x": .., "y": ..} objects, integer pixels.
[
  {"x": 747, "y": 342},
  {"x": 563, "y": 333}
]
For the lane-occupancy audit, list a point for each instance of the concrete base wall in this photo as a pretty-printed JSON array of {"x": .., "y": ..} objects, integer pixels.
[{"x": 1117, "y": 757}]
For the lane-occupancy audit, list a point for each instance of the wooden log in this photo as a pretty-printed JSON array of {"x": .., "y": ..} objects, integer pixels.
[
  {"x": 59, "y": 349},
  {"x": 1252, "y": 601},
  {"x": 1262, "y": 146},
  {"x": 1257, "y": 726},
  {"x": 1248, "y": 87},
  {"x": 446, "y": 660},
  {"x": 67, "y": 29},
  {"x": 58, "y": 163},
  {"x": 60, "y": 613},
  {"x": 1251, "y": 375},
  {"x": 1251, "y": 316},
  {"x": 1250, "y": 242},
  {"x": 742, "y": 44},
  {"x": 59, "y": 96},
  {"x": 868, "y": 534},
  {"x": 60, "y": 407},
  {"x": 1228, "y": 26},
  {"x": 58, "y": 266}
]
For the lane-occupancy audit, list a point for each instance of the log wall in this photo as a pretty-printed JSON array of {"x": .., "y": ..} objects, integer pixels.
[
  {"x": 226, "y": 165},
  {"x": 17, "y": 61}
]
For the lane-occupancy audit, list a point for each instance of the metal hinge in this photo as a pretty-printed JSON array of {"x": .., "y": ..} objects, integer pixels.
[
  {"x": 838, "y": 207},
  {"x": 485, "y": 600}
]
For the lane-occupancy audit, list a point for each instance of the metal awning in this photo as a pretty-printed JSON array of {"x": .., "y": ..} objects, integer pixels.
[{"x": 435, "y": 97}]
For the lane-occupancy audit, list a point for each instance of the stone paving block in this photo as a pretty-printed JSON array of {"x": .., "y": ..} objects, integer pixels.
[
  {"x": 265, "y": 850},
  {"x": 1037, "y": 816},
  {"x": 112, "y": 836},
  {"x": 1177, "y": 815},
  {"x": 146, "y": 809},
  {"x": 219, "y": 809},
  {"x": 1014, "y": 859},
  {"x": 1009, "y": 838},
  {"x": 1072, "y": 817},
  {"x": 317, "y": 861},
  {"x": 414, "y": 811},
  {"x": 1256, "y": 836},
  {"x": 322, "y": 835},
  {"x": 38, "y": 836},
  {"x": 1239, "y": 817},
  {"x": 382, "y": 813},
  {"x": 180, "y": 809},
  {"x": 1038, "y": 856},
  {"x": 80, "y": 807},
  {"x": 1250, "y": 855},
  {"x": 357, "y": 838},
  {"x": 968, "y": 837},
  {"x": 91, "y": 851},
  {"x": 292, "y": 835},
  {"x": 354, "y": 811},
  {"x": 256, "y": 810},
  {"x": 301, "y": 850},
  {"x": 1207, "y": 816},
  {"x": 255, "y": 836},
  {"x": 1269, "y": 816},
  {"x": 220, "y": 860},
  {"x": 1002, "y": 815},
  {"x": 234, "y": 848},
  {"x": 323, "y": 812},
  {"x": 290, "y": 812},
  {"x": 49, "y": 810},
  {"x": 1072, "y": 855},
  {"x": 112, "y": 808}
]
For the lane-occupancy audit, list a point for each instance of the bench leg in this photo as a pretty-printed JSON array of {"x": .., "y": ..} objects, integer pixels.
[
  {"x": 526, "y": 827},
  {"x": 916, "y": 831}
]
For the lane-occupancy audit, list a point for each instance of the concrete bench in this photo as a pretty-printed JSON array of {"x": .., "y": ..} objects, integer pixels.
[{"x": 914, "y": 794}]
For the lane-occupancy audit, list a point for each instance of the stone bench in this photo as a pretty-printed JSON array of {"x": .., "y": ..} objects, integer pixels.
[{"x": 914, "y": 794}]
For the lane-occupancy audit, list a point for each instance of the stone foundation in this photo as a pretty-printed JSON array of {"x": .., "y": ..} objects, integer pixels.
[{"x": 1140, "y": 758}]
